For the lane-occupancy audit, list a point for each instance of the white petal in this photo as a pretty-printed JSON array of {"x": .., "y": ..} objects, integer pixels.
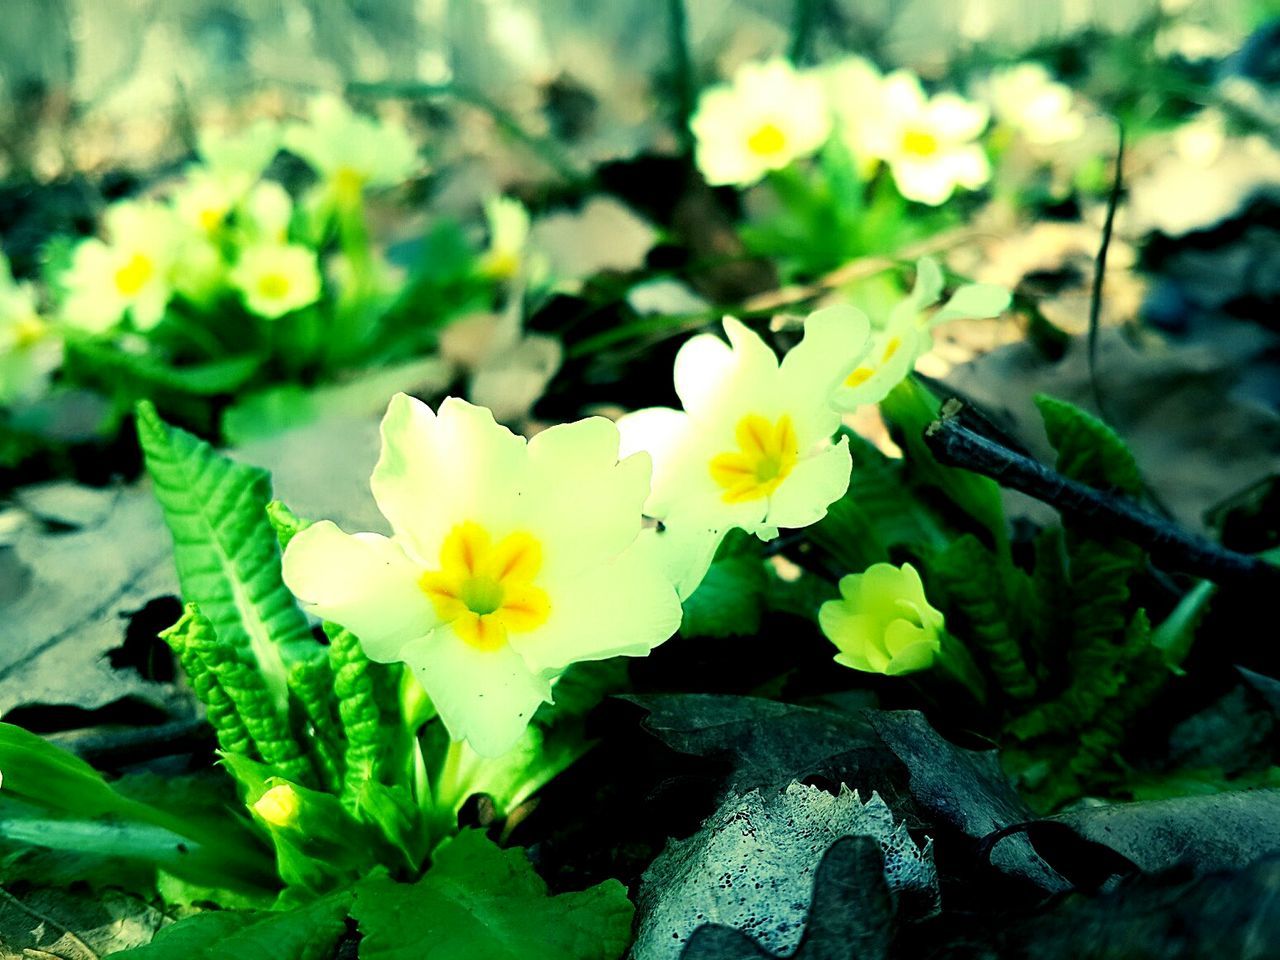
[
  {"x": 953, "y": 118},
  {"x": 581, "y": 501},
  {"x": 664, "y": 434},
  {"x": 703, "y": 365},
  {"x": 812, "y": 486},
  {"x": 437, "y": 470},
  {"x": 924, "y": 182},
  {"x": 363, "y": 582},
  {"x": 486, "y": 697},
  {"x": 976, "y": 300},
  {"x": 685, "y": 550},
  {"x": 836, "y": 340},
  {"x": 625, "y": 607}
]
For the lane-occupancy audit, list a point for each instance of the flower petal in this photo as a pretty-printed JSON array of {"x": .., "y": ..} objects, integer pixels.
[
  {"x": 581, "y": 501},
  {"x": 439, "y": 469},
  {"x": 486, "y": 697},
  {"x": 363, "y": 582},
  {"x": 813, "y": 485},
  {"x": 622, "y": 608}
]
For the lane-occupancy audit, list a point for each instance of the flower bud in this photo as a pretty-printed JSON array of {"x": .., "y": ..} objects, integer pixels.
[{"x": 882, "y": 623}]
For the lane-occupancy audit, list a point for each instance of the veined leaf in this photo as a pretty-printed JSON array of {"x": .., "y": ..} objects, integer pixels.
[
  {"x": 480, "y": 902},
  {"x": 728, "y": 602},
  {"x": 225, "y": 549},
  {"x": 1088, "y": 449}
]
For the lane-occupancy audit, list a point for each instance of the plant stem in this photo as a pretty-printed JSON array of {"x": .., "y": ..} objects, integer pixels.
[
  {"x": 1102, "y": 513},
  {"x": 681, "y": 67}
]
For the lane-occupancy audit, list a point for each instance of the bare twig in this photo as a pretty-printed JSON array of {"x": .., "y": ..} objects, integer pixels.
[
  {"x": 1104, "y": 514},
  {"x": 1100, "y": 270}
]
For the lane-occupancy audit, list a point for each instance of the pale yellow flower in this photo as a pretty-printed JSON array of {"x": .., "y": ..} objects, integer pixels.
[
  {"x": 509, "y": 561},
  {"x": 929, "y": 143},
  {"x": 30, "y": 349},
  {"x": 768, "y": 117},
  {"x": 882, "y": 622},
  {"x": 1026, "y": 98},
  {"x": 275, "y": 279},
  {"x": 352, "y": 152},
  {"x": 752, "y": 448},
  {"x": 131, "y": 272}
]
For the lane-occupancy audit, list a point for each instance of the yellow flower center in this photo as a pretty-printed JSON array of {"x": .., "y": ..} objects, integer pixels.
[
  {"x": 273, "y": 286},
  {"x": 28, "y": 331},
  {"x": 767, "y": 141},
  {"x": 347, "y": 184},
  {"x": 502, "y": 264},
  {"x": 211, "y": 218},
  {"x": 865, "y": 372},
  {"x": 133, "y": 276},
  {"x": 485, "y": 590},
  {"x": 919, "y": 143},
  {"x": 767, "y": 453}
]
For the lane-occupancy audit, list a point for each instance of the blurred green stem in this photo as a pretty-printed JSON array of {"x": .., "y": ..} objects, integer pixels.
[{"x": 681, "y": 68}]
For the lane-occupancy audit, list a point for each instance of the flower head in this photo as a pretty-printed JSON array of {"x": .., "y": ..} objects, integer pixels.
[
  {"x": 508, "y": 256},
  {"x": 29, "y": 349},
  {"x": 509, "y": 561},
  {"x": 130, "y": 272},
  {"x": 905, "y": 336},
  {"x": 767, "y": 118},
  {"x": 1026, "y": 98},
  {"x": 853, "y": 88},
  {"x": 928, "y": 142},
  {"x": 278, "y": 806},
  {"x": 882, "y": 622},
  {"x": 275, "y": 279},
  {"x": 351, "y": 152},
  {"x": 752, "y": 448}
]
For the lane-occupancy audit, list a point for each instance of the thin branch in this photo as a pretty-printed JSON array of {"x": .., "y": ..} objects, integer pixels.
[
  {"x": 1100, "y": 269},
  {"x": 1101, "y": 513}
]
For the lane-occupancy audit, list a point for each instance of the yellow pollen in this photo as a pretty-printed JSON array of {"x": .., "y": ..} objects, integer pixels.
[
  {"x": 133, "y": 276},
  {"x": 485, "y": 590},
  {"x": 859, "y": 376},
  {"x": 919, "y": 143},
  {"x": 28, "y": 331},
  {"x": 891, "y": 348},
  {"x": 211, "y": 219},
  {"x": 767, "y": 453},
  {"x": 347, "y": 184},
  {"x": 273, "y": 286},
  {"x": 502, "y": 264},
  {"x": 767, "y": 141}
]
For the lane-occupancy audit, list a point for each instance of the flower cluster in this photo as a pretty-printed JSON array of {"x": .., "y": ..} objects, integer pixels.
[
  {"x": 510, "y": 559},
  {"x": 227, "y": 230},
  {"x": 772, "y": 114}
]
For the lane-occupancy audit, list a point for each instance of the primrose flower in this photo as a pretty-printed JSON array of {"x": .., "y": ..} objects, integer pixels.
[
  {"x": 928, "y": 142},
  {"x": 508, "y": 256},
  {"x": 266, "y": 212},
  {"x": 275, "y": 279},
  {"x": 882, "y": 622},
  {"x": 130, "y": 272},
  {"x": 752, "y": 448},
  {"x": 29, "y": 349},
  {"x": 767, "y": 118},
  {"x": 243, "y": 155},
  {"x": 278, "y": 806},
  {"x": 351, "y": 152},
  {"x": 906, "y": 334},
  {"x": 509, "y": 561},
  {"x": 853, "y": 90},
  {"x": 1026, "y": 98}
]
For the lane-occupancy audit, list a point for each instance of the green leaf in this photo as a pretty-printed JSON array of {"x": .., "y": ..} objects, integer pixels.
[
  {"x": 1088, "y": 450},
  {"x": 877, "y": 513},
  {"x": 480, "y": 902},
  {"x": 277, "y": 409},
  {"x": 979, "y": 602},
  {"x": 309, "y": 932},
  {"x": 911, "y": 408},
  {"x": 729, "y": 600},
  {"x": 225, "y": 550},
  {"x": 184, "y": 638},
  {"x": 51, "y": 779},
  {"x": 362, "y": 721},
  {"x": 95, "y": 361}
]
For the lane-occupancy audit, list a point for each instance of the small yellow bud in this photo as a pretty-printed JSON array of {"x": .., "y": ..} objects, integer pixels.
[
  {"x": 278, "y": 806},
  {"x": 882, "y": 623}
]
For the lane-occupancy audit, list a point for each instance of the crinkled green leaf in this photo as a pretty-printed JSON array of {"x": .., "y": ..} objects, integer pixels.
[
  {"x": 1088, "y": 450},
  {"x": 480, "y": 902},
  {"x": 192, "y": 630},
  {"x": 226, "y": 552}
]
